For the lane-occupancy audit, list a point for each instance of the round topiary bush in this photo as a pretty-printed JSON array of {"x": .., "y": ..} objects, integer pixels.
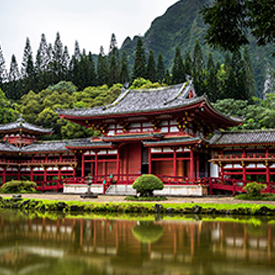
[
  {"x": 18, "y": 186},
  {"x": 146, "y": 184},
  {"x": 254, "y": 189}
]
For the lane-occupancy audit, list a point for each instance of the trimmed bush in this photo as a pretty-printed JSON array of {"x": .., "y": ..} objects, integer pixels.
[
  {"x": 254, "y": 189},
  {"x": 17, "y": 186},
  {"x": 146, "y": 184}
]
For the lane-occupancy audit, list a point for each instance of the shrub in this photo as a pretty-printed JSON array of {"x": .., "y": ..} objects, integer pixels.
[
  {"x": 17, "y": 186},
  {"x": 254, "y": 189},
  {"x": 146, "y": 184}
]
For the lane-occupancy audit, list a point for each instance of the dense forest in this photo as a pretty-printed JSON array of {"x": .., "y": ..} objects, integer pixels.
[{"x": 53, "y": 79}]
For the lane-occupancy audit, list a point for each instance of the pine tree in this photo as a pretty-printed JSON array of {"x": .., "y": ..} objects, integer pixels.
[
  {"x": 250, "y": 81},
  {"x": 57, "y": 61},
  {"x": 237, "y": 64},
  {"x": 160, "y": 69},
  {"x": 151, "y": 68},
  {"x": 65, "y": 63},
  {"x": 114, "y": 62},
  {"x": 41, "y": 64},
  {"x": 188, "y": 64},
  {"x": 3, "y": 70},
  {"x": 27, "y": 67},
  {"x": 178, "y": 72},
  {"x": 124, "y": 70},
  {"x": 77, "y": 53},
  {"x": 13, "y": 90},
  {"x": 140, "y": 61},
  {"x": 102, "y": 68},
  {"x": 198, "y": 69},
  {"x": 91, "y": 70},
  {"x": 28, "y": 70}
]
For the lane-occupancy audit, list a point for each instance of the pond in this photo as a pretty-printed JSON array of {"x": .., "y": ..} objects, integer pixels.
[{"x": 74, "y": 245}]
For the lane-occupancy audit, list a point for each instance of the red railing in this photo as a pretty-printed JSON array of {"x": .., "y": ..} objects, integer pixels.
[
  {"x": 49, "y": 185},
  {"x": 232, "y": 185},
  {"x": 30, "y": 162},
  {"x": 246, "y": 156}
]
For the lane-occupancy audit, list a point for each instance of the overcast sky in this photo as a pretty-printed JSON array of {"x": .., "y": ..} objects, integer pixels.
[{"x": 90, "y": 22}]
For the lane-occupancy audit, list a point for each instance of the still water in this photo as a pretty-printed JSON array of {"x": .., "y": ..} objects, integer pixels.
[{"x": 135, "y": 245}]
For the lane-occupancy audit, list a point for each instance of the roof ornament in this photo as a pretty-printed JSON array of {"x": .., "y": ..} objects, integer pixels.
[{"x": 21, "y": 119}]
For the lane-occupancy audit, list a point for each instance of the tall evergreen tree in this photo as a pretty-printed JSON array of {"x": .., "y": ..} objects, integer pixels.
[
  {"x": 91, "y": 70},
  {"x": 77, "y": 52},
  {"x": 65, "y": 63},
  {"x": 57, "y": 60},
  {"x": 151, "y": 68},
  {"x": 27, "y": 60},
  {"x": 124, "y": 70},
  {"x": 160, "y": 69},
  {"x": 198, "y": 69},
  {"x": 211, "y": 87},
  {"x": 114, "y": 62},
  {"x": 102, "y": 68},
  {"x": 188, "y": 64},
  {"x": 3, "y": 70},
  {"x": 13, "y": 90},
  {"x": 250, "y": 81},
  {"x": 41, "y": 64},
  {"x": 178, "y": 72},
  {"x": 237, "y": 64},
  {"x": 27, "y": 69},
  {"x": 140, "y": 61}
]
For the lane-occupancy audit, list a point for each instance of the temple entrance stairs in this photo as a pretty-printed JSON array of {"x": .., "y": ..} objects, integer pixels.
[{"x": 120, "y": 190}]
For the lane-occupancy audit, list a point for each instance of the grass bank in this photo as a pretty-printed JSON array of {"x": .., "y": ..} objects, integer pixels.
[{"x": 138, "y": 207}]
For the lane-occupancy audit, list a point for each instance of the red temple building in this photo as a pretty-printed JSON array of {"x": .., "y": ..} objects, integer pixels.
[{"x": 169, "y": 132}]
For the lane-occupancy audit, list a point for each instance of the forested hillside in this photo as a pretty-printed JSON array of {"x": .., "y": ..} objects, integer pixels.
[{"x": 180, "y": 26}]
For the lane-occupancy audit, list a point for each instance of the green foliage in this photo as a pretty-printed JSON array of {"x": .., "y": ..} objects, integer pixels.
[
  {"x": 7, "y": 109},
  {"x": 16, "y": 186},
  {"x": 229, "y": 23},
  {"x": 254, "y": 189},
  {"x": 146, "y": 184}
]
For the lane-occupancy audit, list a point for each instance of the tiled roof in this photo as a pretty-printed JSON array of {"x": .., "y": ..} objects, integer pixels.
[
  {"x": 143, "y": 136},
  {"x": 89, "y": 144},
  {"x": 5, "y": 147},
  {"x": 243, "y": 137},
  {"x": 136, "y": 101},
  {"x": 42, "y": 146},
  {"x": 21, "y": 124},
  {"x": 175, "y": 141}
]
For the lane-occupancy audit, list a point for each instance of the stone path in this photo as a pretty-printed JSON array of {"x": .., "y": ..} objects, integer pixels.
[{"x": 105, "y": 198}]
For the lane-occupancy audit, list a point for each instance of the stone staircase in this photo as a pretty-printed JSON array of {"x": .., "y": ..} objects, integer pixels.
[{"x": 120, "y": 190}]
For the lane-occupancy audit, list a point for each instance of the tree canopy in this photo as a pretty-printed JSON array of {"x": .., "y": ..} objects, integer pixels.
[{"x": 231, "y": 22}]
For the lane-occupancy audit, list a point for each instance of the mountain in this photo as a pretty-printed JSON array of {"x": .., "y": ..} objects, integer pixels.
[{"x": 181, "y": 25}]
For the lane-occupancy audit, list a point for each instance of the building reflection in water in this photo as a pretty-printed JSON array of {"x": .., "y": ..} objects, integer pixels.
[{"x": 103, "y": 246}]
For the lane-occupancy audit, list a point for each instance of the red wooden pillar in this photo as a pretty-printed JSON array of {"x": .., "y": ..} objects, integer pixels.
[
  {"x": 82, "y": 165},
  {"x": 45, "y": 174},
  {"x": 4, "y": 174},
  {"x": 31, "y": 168},
  {"x": 149, "y": 161},
  {"x": 191, "y": 164},
  {"x": 268, "y": 176},
  {"x": 175, "y": 161},
  {"x": 198, "y": 166},
  {"x": 244, "y": 171},
  {"x": 96, "y": 165},
  {"x": 117, "y": 164}
]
